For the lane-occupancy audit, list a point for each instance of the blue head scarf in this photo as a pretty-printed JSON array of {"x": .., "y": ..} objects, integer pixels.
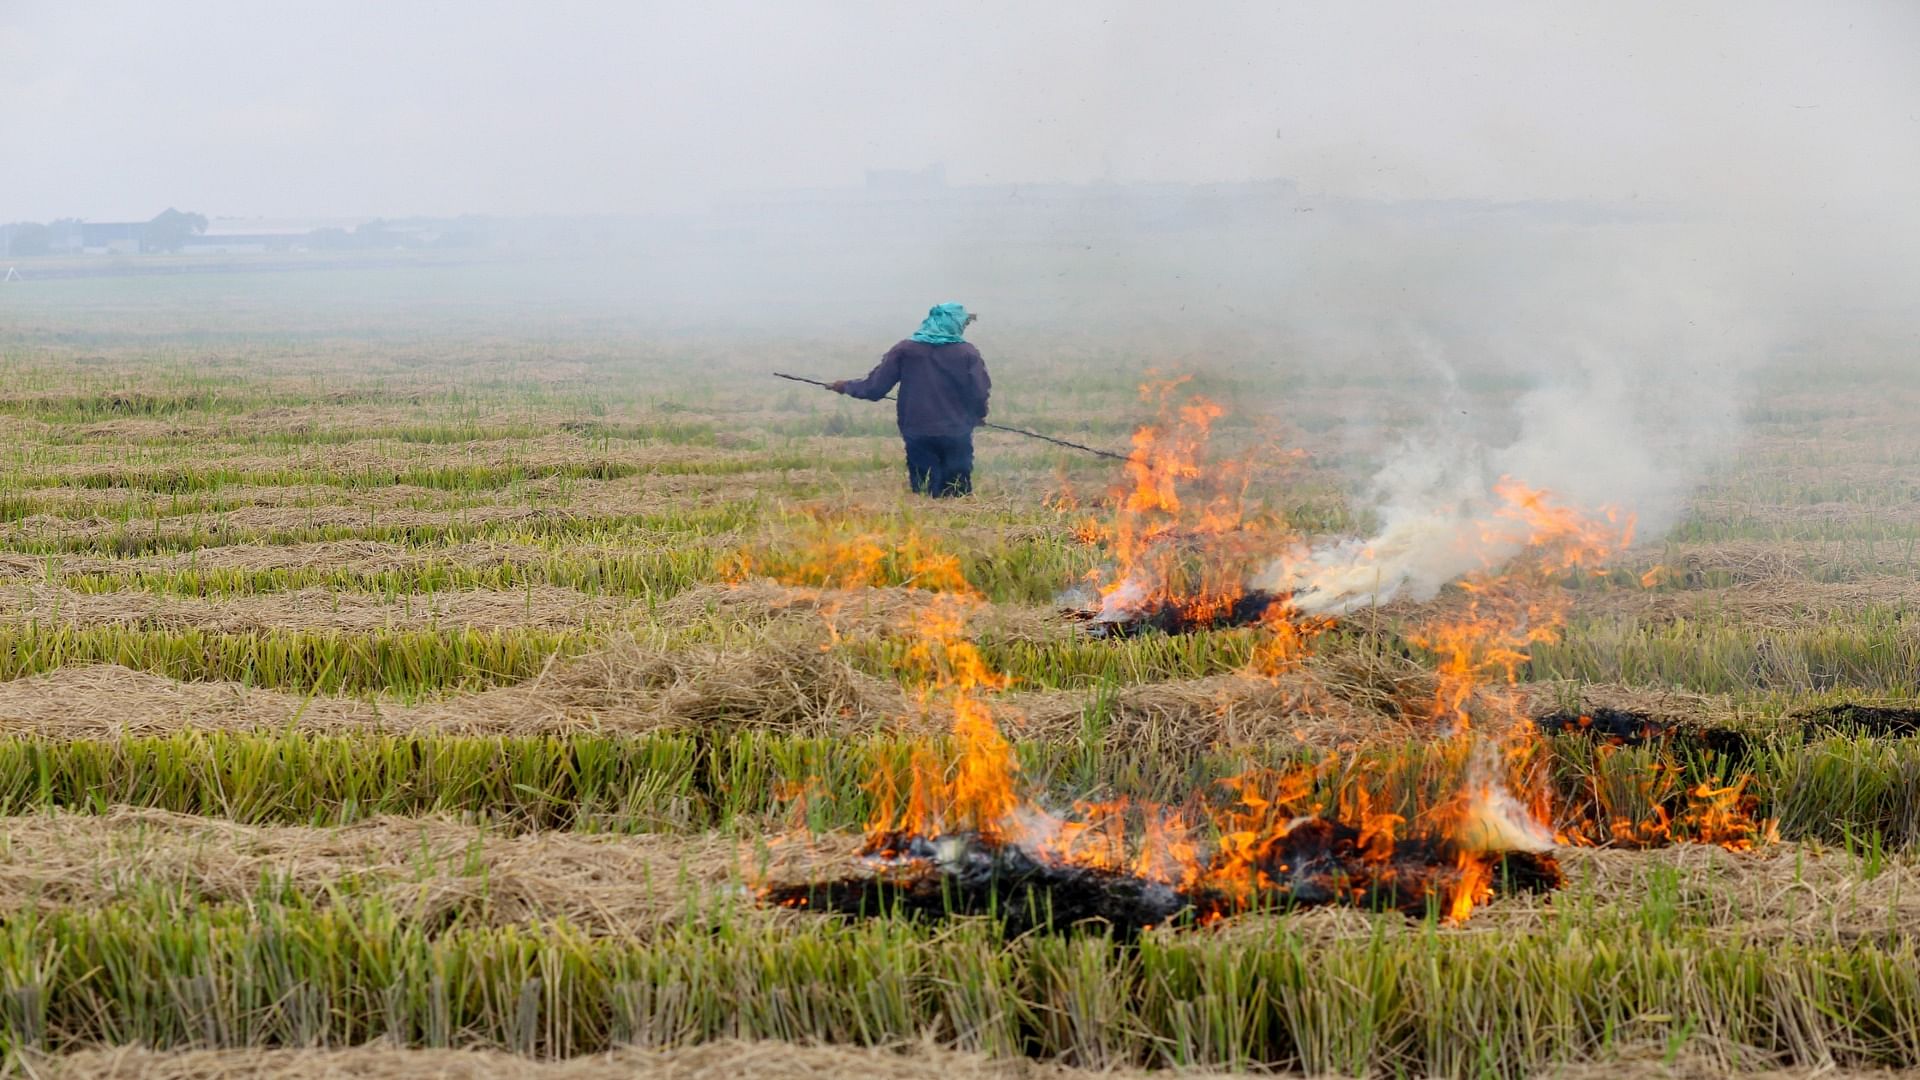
[{"x": 944, "y": 325}]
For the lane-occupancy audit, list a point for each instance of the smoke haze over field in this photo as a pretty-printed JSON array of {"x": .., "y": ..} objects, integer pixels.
[
  {"x": 1634, "y": 345},
  {"x": 1623, "y": 206},
  {"x": 375, "y": 108}
]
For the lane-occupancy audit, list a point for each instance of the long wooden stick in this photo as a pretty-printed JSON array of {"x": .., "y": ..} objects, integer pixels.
[{"x": 983, "y": 423}]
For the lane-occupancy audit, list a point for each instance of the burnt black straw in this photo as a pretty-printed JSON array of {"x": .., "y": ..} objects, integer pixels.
[{"x": 983, "y": 423}]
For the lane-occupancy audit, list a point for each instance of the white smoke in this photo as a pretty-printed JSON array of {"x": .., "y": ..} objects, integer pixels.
[
  {"x": 1437, "y": 503},
  {"x": 1495, "y": 821},
  {"x": 1428, "y": 498},
  {"x": 1633, "y": 354}
]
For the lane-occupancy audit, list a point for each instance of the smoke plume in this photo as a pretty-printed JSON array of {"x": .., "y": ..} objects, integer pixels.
[{"x": 1629, "y": 350}]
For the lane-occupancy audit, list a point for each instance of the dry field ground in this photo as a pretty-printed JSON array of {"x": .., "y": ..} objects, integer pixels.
[{"x": 379, "y": 699}]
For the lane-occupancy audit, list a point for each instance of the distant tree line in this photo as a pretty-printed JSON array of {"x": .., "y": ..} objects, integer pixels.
[
  {"x": 170, "y": 229},
  {"x": 167, "y": 231},
  {"x": 30, "y": 237},
  {"x": 173, "y": 230}
]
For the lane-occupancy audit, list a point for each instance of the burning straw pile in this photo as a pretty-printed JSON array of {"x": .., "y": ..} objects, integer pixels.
[
  {"x": 1184, "y": 539},
  {"x": 961, "y": 835},
  {"x": 1436, "y": 831},
  {"x": 1062, "y": 878}
]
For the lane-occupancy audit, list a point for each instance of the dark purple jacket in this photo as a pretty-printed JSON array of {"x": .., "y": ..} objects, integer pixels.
[{"x": 943, "y": 388}]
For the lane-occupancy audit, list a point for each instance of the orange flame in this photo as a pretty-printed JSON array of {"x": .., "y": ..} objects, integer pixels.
[
  {"x": 979, "y": 790},
  {"x": 1185, "y": 537},
  {"x": 1196, "y": 551},
  {"x": 1725, "y": 815},
  {"x": 1507, "y": 610},
  {"x": 835, "y": 556}
]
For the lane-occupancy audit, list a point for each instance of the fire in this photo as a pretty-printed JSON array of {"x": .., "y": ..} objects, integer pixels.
[
  {"x": 1142, "y": 839},
  {"x": 835, "y": 554},
  {"x": 1185, "y": 538},
  {"x": 978, "y": 791},
  {"x": 1475, "y": 886},
  {"x": 1322, "y": 834},
  {"x": 1481, "y": 651},
  {"x": 1659, "y": 811},
  {"x": 1508, "y": 609},
  {"x": 1724, "y": 816},
  {"x": 1483, "y": 646},
  {"x": 1313, "y": 833},
  {"x": 1477, "y": 807},
  {"x": 1151, "y": 535}
]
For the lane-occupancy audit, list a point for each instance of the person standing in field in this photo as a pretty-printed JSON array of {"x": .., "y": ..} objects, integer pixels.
[{"x": 943, "y": 397}]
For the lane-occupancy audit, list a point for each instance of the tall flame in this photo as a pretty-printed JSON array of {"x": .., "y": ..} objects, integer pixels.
[
  {"x": 1185, "y": 538},
  {"x": 1508, "y": 607},
  {"x": 1183, "y": 534},
  {"x": 979, "y": 790}
]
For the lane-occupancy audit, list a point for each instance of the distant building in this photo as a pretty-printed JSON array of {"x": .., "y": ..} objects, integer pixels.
[
  {"x": 240, "y": 239},
  {"x": 112, "y": 237},
  {"x": 249, "y": 236},
  {"x": 69, "y": 237},
  {"x": 242, "y": 236}
]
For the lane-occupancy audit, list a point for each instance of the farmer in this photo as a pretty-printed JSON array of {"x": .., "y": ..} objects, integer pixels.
[{"x": 943, "y": 397}]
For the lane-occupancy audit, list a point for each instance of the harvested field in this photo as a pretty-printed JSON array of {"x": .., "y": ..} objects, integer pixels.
[
  {"x": 544, "y": 608},
  {"x": 721, "y": 1060},
  {"x": 435, "y": 871},
  {"x": 442, "y": 707},
  {"x": 661, "y": 684},
  {"x": 624, "y": 688},
  {"x": 432, "y": 870}
]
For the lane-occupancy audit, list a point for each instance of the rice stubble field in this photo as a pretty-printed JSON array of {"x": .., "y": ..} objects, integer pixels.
[{"x": 432, "y": 702}]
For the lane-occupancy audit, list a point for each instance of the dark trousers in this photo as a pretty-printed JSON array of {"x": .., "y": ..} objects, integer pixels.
[{"x": 940, "y": 465}]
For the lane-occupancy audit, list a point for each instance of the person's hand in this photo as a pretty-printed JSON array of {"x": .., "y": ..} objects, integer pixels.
[{"x": 838, "y": 386}]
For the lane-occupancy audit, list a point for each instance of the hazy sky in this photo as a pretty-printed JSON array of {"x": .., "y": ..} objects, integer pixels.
[{"x": 339, "y": 108}]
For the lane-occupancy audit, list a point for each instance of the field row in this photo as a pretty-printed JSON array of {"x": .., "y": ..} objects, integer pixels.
[
  {"x": 465, "y": 477},
  {"x": 1886, "y": 536},
  {"x": 278, "y": 971},
  {"x": 427, "y": 644},
  {"x": 724, "y": 1059},
  {"x": 274, "y": 526},
  {"x": 437, "y": 872},
  {"x": 1853, "y": 791}
]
